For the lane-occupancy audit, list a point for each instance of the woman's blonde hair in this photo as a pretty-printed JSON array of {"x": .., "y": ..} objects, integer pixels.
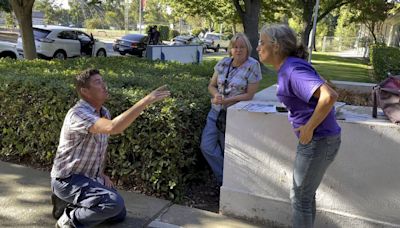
[
  {"x": 285, "y": 37},
  {"x": 246, "y": 41}
]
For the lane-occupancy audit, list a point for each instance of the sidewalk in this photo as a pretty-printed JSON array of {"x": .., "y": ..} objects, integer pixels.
[
  {"x": 352, "y": 53},
  {"x": 25, "y": 202}
]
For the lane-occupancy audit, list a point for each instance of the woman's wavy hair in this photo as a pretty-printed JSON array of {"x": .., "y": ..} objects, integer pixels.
[
  {"x": 246, "y": 41},
  {"x": 285, "y": 37}
]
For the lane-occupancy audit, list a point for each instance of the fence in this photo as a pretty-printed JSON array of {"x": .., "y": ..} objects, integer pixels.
[
  {"x": 337, "y": 44},
  {"x": 106, "y": 33},
  {"x": 9, "y": 36}
]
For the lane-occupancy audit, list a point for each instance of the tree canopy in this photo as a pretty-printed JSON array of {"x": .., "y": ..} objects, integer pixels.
[
  {"x": 372, "y": 13},
  {"x": 5, "y": 6}
]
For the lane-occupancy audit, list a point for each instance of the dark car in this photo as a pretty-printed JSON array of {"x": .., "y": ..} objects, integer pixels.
[{"x": 134, "y": 44}]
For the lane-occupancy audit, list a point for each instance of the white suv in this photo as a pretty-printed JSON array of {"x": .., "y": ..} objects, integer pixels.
[
  {"x": 8, "y": 49},
  {"x": 63, "y": 42},
  {"x": 216, "y": 41}
]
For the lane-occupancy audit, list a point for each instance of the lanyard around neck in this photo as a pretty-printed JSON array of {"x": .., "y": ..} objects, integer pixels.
[{"x": 226, "y": 78}]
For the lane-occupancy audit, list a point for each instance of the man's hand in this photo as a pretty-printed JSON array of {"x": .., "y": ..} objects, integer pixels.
[
  {"x": 306, "y": 134},
  {"x": 158, "y": 94},
  {"x": 107, "y": 181}
]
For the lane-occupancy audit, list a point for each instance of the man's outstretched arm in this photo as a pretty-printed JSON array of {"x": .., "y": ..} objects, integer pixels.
[{"x": 121, "y": 122}]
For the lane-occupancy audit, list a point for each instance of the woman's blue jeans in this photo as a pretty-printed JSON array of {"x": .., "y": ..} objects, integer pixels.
[
  {"x": 92, "y": 202},
  {"x": 312, "y": 160},
  {"x": 212, "y": 145}
]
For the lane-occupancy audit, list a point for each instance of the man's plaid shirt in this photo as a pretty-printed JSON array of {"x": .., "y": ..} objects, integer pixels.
[{"x": 79, "y": 151}]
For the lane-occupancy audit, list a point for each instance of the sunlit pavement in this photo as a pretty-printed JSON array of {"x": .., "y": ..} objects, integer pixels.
[{"x": 25, "y": 202}]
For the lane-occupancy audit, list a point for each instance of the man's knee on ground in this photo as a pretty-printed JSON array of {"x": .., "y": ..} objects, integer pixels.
[
  {"x": 119, "y": 217},
  {"x": 115, "y": 204}
]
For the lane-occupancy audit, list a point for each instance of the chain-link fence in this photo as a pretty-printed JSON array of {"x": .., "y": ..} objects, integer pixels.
[{"x": 336, "y": 44}]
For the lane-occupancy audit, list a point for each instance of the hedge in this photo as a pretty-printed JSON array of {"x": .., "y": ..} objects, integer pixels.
[
  {"x": 384, "y": 60},
  {"x": 159, "y": 152}
]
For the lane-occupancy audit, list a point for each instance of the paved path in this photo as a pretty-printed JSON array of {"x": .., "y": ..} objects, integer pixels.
[
  {"x": 353, "y": 53},
  {"x": 25, "y": 202}
]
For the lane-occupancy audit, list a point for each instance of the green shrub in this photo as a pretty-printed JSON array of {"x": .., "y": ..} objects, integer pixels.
[
  {"x": 384, "y": 60},
  {"x": 164, "y": 32},
  {"x": 173, "y": 33},
  {"x": 94, "y": 23},
  {"x": 197, "y": 31},
  {"x": 159, "y": 152},
  {"x": 228, "y": 35}
]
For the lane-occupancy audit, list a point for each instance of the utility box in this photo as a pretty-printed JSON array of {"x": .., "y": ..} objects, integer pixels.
[{"x": 179, "y": 53}]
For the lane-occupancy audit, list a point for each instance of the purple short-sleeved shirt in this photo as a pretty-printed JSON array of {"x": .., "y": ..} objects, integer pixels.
[{"x": 297, "y": 82}]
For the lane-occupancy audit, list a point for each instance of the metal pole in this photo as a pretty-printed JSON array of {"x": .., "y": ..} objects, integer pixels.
[
  {"x": 180, "y": 25},
  {"x": 126, "y": 16},
  {"x": 140, "y": 16},
  {"x": 312, "y": 35}
]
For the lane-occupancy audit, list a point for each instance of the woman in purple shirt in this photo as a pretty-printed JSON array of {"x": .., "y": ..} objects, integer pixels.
[{"x": 309, "y": 101}]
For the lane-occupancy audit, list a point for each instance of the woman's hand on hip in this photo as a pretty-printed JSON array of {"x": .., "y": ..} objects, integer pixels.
[{"x": 306, "y": 134}]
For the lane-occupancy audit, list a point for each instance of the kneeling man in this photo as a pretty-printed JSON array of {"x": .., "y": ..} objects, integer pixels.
[{"x": 83, "y": 196}]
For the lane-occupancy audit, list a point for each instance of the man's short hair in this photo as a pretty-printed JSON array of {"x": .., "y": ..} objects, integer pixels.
[{"x": 82, "y": 79}]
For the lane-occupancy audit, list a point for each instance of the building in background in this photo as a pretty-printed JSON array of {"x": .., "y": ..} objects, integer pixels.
[
  {"x": 391, "y": 31},
  {"x": 37, "y": 18}
]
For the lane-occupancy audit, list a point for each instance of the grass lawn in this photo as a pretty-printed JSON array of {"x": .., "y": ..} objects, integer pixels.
[
  {"x": 327, "y": 64},
  {"x": 334, "y": 67}
]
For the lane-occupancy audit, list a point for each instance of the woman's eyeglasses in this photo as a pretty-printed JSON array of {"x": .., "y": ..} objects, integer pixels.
[
  {"x": 261, "y": 42},
  {"x": 239, "y": 48}
]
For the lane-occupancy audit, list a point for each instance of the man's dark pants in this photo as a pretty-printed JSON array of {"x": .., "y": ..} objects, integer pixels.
[{"x": 90, "y": 202}]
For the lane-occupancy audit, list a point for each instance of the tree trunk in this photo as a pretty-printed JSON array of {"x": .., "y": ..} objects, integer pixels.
[
  {"x": 307, "y": 21},
  {"x": 23, "y": 12},
  {"x": 250, "y": 25},
  {"x": 306, "y": 33},
  {"x": 250, "y": 17},
  {"x": 210, "y": 25},
  {"x": 314, "y": 42},
  {"x": 374, "y": 36},
  {"x": 371, "y": 28},
  {"x": 234, "y": 28}
]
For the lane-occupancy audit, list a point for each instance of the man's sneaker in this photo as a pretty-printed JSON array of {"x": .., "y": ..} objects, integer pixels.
[
  {"x": 59, "y": 206},
  {"x": 64, "y": 221}
]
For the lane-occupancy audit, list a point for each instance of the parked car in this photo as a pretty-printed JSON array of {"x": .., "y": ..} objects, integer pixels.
[
  {"x": 134, "y": 44},
  {"x": 188, "y": 40},
  {"x": 8, "y": 49},
  {"x": 62, "y": 42},
  {"x": 216, "y": 41}
]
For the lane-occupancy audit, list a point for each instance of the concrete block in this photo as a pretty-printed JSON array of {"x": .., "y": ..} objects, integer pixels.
[{"x": 360, "y": 188}]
